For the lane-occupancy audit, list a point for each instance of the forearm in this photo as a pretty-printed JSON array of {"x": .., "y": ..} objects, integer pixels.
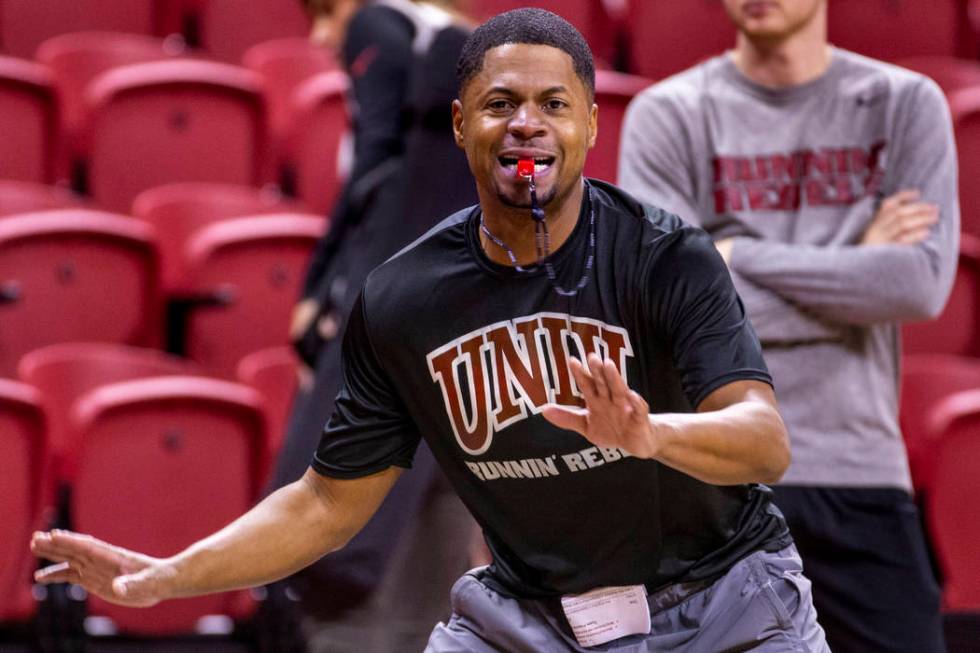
[
  {"x": 777, "y": 321},
  {"x": 851, "y": 284},
  {"x": 742, "y": 443},
  {"x": 287, "y": 531}
]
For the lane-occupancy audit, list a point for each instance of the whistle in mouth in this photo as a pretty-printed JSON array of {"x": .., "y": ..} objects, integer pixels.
[{"x": 525, "y": 168}]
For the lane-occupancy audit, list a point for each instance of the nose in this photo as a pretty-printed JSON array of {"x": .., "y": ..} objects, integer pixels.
[{"x": 526, "y": 123}]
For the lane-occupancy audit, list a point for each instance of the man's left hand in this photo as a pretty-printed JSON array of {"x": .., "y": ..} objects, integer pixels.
[{"x": 614, "y": 415}]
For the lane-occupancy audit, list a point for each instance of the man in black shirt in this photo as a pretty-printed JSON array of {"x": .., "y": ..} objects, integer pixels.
[{"x": 587, "y": 379}]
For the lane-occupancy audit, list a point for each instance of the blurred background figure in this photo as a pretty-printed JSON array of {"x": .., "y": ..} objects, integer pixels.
[
  {"x": 829, "y": 259},
  {"x": 386, "y": 588}
]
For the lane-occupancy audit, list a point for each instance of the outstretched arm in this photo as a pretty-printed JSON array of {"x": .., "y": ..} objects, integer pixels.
[
  {"x": 737, "y": 435},
  {"x": 287, "y": 531}
]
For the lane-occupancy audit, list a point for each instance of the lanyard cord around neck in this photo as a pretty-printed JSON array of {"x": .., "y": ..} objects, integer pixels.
[{"x": 543, "y": 244}]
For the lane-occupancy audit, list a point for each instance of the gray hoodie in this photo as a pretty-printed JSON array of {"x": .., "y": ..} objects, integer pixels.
[{"x": 795, "y": 175}]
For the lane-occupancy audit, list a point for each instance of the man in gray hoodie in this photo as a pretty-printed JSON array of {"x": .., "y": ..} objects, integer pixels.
[{"x": 828, "y": 182}]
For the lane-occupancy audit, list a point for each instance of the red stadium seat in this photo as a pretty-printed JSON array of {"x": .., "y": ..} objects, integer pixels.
[
  {"x": 613, "y": 92},
  {"x": 667, "y": 36},
  {"x": 227, "y": 28},
  {"x": 953, "y": 500},
  {"x": 24, "y": 196},
  {"x": 892, "y": 30},
  {"x": 273, "y": 373},
  {"x": 927, "y": 379},
  {"x": 957, "y": 329},
  {"x": 22, "y": 450},
  {"x": 282, "y": 65},
  {"x": 24, "y": 24},
  {"x": 178, "y": 210},
  {"x": 28, "y": 121},
  {"x": 951, "y": 73},
  {"x": 167, "y": 121},
  {"x": 247, "y": 274},
  {"x": 589, "y": 17},
  {"x": 75, "y": 274},
  {"x": 163, "y": 462},
  {"x": 66, "y": 371},
  {"x": 313, "y": 149},
  {"x": 965, "y": 106},
  {"x": 75, "y": 59}
]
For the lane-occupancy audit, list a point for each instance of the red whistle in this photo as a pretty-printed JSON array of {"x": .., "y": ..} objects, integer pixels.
[{"x": 525, "y": 168}]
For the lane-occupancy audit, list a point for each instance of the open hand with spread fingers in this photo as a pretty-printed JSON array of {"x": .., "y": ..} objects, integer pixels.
[
  {"x": 614, "y": 415},
  {"x": 109, "y": 572}
]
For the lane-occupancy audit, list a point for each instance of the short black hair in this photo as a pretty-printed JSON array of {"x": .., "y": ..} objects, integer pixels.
[{"x": 528, "y": 26}]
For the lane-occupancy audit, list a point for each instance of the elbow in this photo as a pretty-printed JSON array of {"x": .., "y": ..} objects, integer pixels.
[
  {"x": 778, "y": 456},
  {"x": 923, "y": 306}
]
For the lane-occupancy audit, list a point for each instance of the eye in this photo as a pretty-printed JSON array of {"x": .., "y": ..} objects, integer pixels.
[
  {"x": 499, "y": 105},
  {"x": 555, "y": 104}
]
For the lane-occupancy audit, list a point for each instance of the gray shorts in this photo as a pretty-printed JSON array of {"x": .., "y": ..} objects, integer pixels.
[{"x": 762, "y": 604}]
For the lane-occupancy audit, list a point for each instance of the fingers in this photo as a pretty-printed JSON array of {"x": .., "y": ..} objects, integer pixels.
[
  {"x": 901, "y": 197},
  {"x": 598, "y": 380},
  {"x": 59, "y": 573},
  {"x": 570, "y": 419},
  {"x": 901, "y": 219},
  {"x": 598, "y": 375}
]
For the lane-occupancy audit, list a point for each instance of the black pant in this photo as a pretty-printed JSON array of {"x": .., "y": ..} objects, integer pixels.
[{"x": 865, "y": 553}]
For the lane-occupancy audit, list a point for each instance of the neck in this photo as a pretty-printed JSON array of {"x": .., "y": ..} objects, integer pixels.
[
  {"x": 792, "y": 60},
  {"x": 515, "y": 226}
]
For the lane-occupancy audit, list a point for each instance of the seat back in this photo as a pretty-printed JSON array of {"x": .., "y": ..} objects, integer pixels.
[
  {"x": 313, "y": 147},
  {"x": 589, "y": 17},
  {"x": 927, "y": 379},
  {"x": 25, "y": 25},
  {"x": 75, "y": 274},
  {"x": 162, "y": 463},
  {"x": 273, "y": 374},
  {"x": 957, "y": 329},
  {"x": 168, "y": 121},
  {"x": 22, "y": 450},
  {"x": 28, "y": 120},
  {"x": 965, "y": 107},
  {"x": 951, "y": 73},
  {"x": 64, "y": 372},
  {"x": 613, "y": 92},
  {"x": 282, "y": 65},
  {"x": 27, "y": 197},
  {"x": 179, "y": 210},
  {"x": 75, "y": 59},
  {"x": 890, "y": 30},
  {"x": 953, "y": 500},
  {"x": 250, "y": 271},
  {"x": 228, "y": 28},
  {"x": 668, "y": 36}
]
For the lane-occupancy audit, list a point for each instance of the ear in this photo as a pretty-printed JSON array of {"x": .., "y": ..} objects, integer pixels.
[
  {"x": 593, "y": 125},
  {"x": 458, "y": 123}
]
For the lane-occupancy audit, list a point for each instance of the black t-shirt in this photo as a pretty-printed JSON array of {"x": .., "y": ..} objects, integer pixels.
[{"x": 447, "y": 345}]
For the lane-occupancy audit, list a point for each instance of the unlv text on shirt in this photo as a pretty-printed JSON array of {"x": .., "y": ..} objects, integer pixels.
[{"x": 502, "y": 373}]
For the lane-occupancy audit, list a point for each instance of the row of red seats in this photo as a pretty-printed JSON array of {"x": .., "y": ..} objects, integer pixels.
[
  {"x": 659, "y": 37},
  {"x": 133, "y": 116},
  {"x": 129, "y": 433},
  {"x": 223, "y": 28},
  {"x": 119, "y": 113},
  {"x": 79, "y": 274}
]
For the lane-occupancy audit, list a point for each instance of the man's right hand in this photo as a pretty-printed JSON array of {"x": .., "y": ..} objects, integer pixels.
[
  {"x": 109, "y": 572},
  {"x": 901, "y": 220}
]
